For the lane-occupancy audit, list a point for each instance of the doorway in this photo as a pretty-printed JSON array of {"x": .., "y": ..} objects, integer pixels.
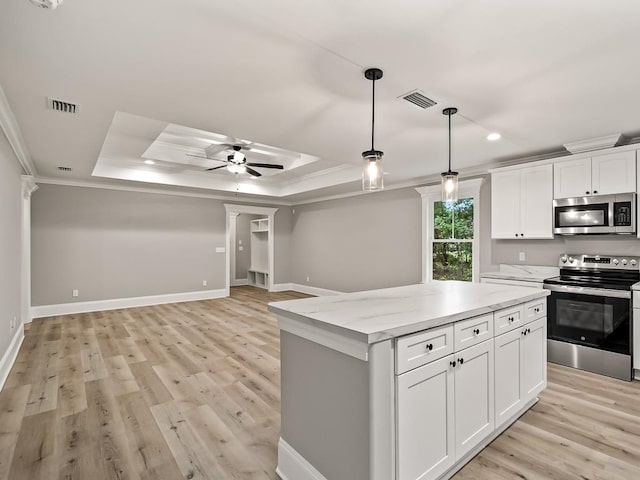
[{"x": 260, "y": 222}]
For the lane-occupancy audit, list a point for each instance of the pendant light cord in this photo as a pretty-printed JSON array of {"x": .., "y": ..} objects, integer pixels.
[
  {"x": 373, "y": 110},
  {"x": 449, "y": 141}
]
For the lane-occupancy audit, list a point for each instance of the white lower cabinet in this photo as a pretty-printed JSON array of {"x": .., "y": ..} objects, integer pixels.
[
  {"x": 534, "y": 358},
  {"x": 520, "y": 368},
  {"x": 449, "y": 406},
  {"x": 444, "y": 409},
  {"x": 426, "y": 444},
  {"x": 474, "y": 397}
]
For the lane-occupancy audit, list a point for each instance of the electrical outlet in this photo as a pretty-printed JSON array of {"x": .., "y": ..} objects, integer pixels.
[
  {"x": 75, "y": 293},
  {"x": 240, "y": 248},
  {"x": 239, "y": 242},
  {"x": 307, "y": 279},
  {"x": 12, "y": 325},
  {"x": 521, "y": 256},
  {"x": 204, "y": 283}
]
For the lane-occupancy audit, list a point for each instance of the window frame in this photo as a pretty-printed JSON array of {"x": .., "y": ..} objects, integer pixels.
[{"x": 432, "y": 194}]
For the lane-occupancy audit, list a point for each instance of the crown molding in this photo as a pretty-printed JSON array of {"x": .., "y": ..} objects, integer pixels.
[
  {"x": 590, "y": 144},
  {"x": 11, "y": 129},
  {"x": 158, "y": 191}
]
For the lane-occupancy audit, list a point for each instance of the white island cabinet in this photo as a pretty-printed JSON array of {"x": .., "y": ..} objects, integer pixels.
[{"x": 406, "y": 383}]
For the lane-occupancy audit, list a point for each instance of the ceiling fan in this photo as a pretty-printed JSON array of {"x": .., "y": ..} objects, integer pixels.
[{"x": 237, "y": 162}]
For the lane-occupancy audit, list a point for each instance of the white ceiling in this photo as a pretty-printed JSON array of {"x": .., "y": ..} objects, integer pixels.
[{"x": 288, "y": 74}]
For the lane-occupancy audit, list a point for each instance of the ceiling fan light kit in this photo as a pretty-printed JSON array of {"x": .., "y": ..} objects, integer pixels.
[
  {"x": 449, "y": 178},
  {"x": 372, "y": 172},
  {"x": 237, "y": 163}
]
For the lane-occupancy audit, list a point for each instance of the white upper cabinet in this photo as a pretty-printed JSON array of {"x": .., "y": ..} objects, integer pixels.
[
  {"x": 521, "y": 203},
  {"x": 572, "y": 178},
  {"x": 599, "y": 175},
  {"x": 613, "y": 173}
]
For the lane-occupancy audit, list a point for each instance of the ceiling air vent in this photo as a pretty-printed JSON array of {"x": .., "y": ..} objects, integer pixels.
[
  {"x": 62, "y": 106},
  {"x": 418, "y": 98},
  {"x": 64, "y": 169}
]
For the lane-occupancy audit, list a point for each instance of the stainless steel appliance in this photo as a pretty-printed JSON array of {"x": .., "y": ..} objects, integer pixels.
[
  {"x": 593, "y": 215},
  {"x": 589, "y": 313}
]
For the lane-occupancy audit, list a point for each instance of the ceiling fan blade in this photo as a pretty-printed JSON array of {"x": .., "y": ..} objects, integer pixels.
[
  {"x": 265, "y": 165},
  {"x": 251, "y": 171},
  {"x": 214, "y": 168},
  {"x": 198, "y": 156}
]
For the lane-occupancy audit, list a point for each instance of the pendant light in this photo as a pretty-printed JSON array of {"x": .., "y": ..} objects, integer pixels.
[
  {"x": 372, "y": 174},
  {"x": 449, "y": 178}
]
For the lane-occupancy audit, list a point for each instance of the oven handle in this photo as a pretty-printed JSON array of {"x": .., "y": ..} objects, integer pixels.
[{"x": 597, "y": 292}]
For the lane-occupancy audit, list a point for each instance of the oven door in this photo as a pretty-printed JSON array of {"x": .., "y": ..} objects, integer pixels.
[{"x": 592, "y": 317}]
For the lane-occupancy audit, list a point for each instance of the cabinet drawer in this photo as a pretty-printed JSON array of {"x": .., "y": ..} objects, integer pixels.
[
  {"x": 507, "y": 319},
  {"x": 535, "y": 309},
  {"x": 636, "y": 299},
  {"x": 472, "y": 331},
  {"x": 423, "y": 347}
]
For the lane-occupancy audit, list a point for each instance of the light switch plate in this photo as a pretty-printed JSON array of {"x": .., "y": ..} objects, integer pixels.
[{"x": 521, "y": 256}]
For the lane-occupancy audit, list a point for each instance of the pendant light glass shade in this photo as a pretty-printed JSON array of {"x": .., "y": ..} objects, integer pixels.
[
  {"x": 372, "y": 171},
  {"x": 449, "y": 187},
  {"x": 449, "y": 178},
  {"x": 372, "y": 174}
]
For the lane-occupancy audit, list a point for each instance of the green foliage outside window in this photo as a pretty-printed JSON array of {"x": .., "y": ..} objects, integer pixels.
[{"x": 453, "y": 260}]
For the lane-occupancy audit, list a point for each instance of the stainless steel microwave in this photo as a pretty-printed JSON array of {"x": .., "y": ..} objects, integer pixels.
[{"x": 596, "y": 214}]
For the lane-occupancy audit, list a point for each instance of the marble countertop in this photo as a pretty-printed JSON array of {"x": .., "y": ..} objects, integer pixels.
[
  {"x": 523, "y": 273},
  {"x": 636, "y": 286},
  {"x": 378, "y": 315}
]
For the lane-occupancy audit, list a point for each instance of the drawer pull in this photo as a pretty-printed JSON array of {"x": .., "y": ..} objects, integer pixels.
[
  {"x": 536, "y": 309},
  {"x": 429, "y": 346},
  {"x": 461, "y": 361},
  {"x": 476, "y": 331},
  {"x": 511, "y": 319},
  {"x": 453, "y": 363},
  {"x": 526, "y": 330}
]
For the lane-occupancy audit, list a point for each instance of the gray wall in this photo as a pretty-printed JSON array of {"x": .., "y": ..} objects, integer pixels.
[
  {"x": 358, "y": 243},
  {"x": 10, "y": 242},
  {"x": 243, "y": 233},
  {"x": 117, "y": 244},
  {"x": 325, "y": 406},
  {"x": 282, "y": 238}
]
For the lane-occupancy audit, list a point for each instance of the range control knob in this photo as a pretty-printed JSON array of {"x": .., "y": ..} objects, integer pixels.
[
  {"x": 633, "y": 263},
  {"x": 571, "y": 259},
  {"x": 564, "y": 259},
  {"x": 624, "y": 261},
  {"x": 615, "y": 261}
]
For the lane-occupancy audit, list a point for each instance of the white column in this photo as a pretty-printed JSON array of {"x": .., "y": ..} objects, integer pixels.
[{"x": 28, "y": 187}]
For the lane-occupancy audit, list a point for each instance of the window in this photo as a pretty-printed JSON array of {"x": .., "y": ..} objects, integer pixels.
[
  {"x": 452, "y": 244},
  {"x": 450, "y": 233}
]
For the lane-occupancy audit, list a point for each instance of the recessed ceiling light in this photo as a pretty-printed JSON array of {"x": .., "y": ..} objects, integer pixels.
[
  {"x": 492, "y": 137},
  {"x": 149, "y": 162}
]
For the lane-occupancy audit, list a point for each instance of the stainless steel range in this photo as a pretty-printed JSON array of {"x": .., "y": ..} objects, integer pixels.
[{"x": 589, "y": 313}]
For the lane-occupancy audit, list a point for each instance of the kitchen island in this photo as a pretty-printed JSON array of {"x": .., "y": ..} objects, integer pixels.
[{"x": 408, "y": 382}]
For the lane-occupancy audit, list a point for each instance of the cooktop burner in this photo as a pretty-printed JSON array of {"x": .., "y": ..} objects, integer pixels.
[{"x": 597, "y": 271}]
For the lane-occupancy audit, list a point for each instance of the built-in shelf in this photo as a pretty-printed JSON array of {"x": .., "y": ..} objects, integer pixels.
[
  {"x": 258, "y": 279},
  {"x": 258, "y": 273},
  {"x": 260, "y": 225}
]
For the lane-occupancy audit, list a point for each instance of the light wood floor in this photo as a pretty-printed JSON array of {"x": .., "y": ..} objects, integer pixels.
[{"x": 192, "y": 390}]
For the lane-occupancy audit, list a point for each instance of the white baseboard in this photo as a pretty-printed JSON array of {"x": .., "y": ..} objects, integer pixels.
[
  {"x": 239, "y": 282},
  {"x": 281, "y": 287},
  {"x": 9, "y": 357},
  {"x": 293, "y": 466},
  {"x": 113, "y": 304},
  {"x": 296, "y": 287}
]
